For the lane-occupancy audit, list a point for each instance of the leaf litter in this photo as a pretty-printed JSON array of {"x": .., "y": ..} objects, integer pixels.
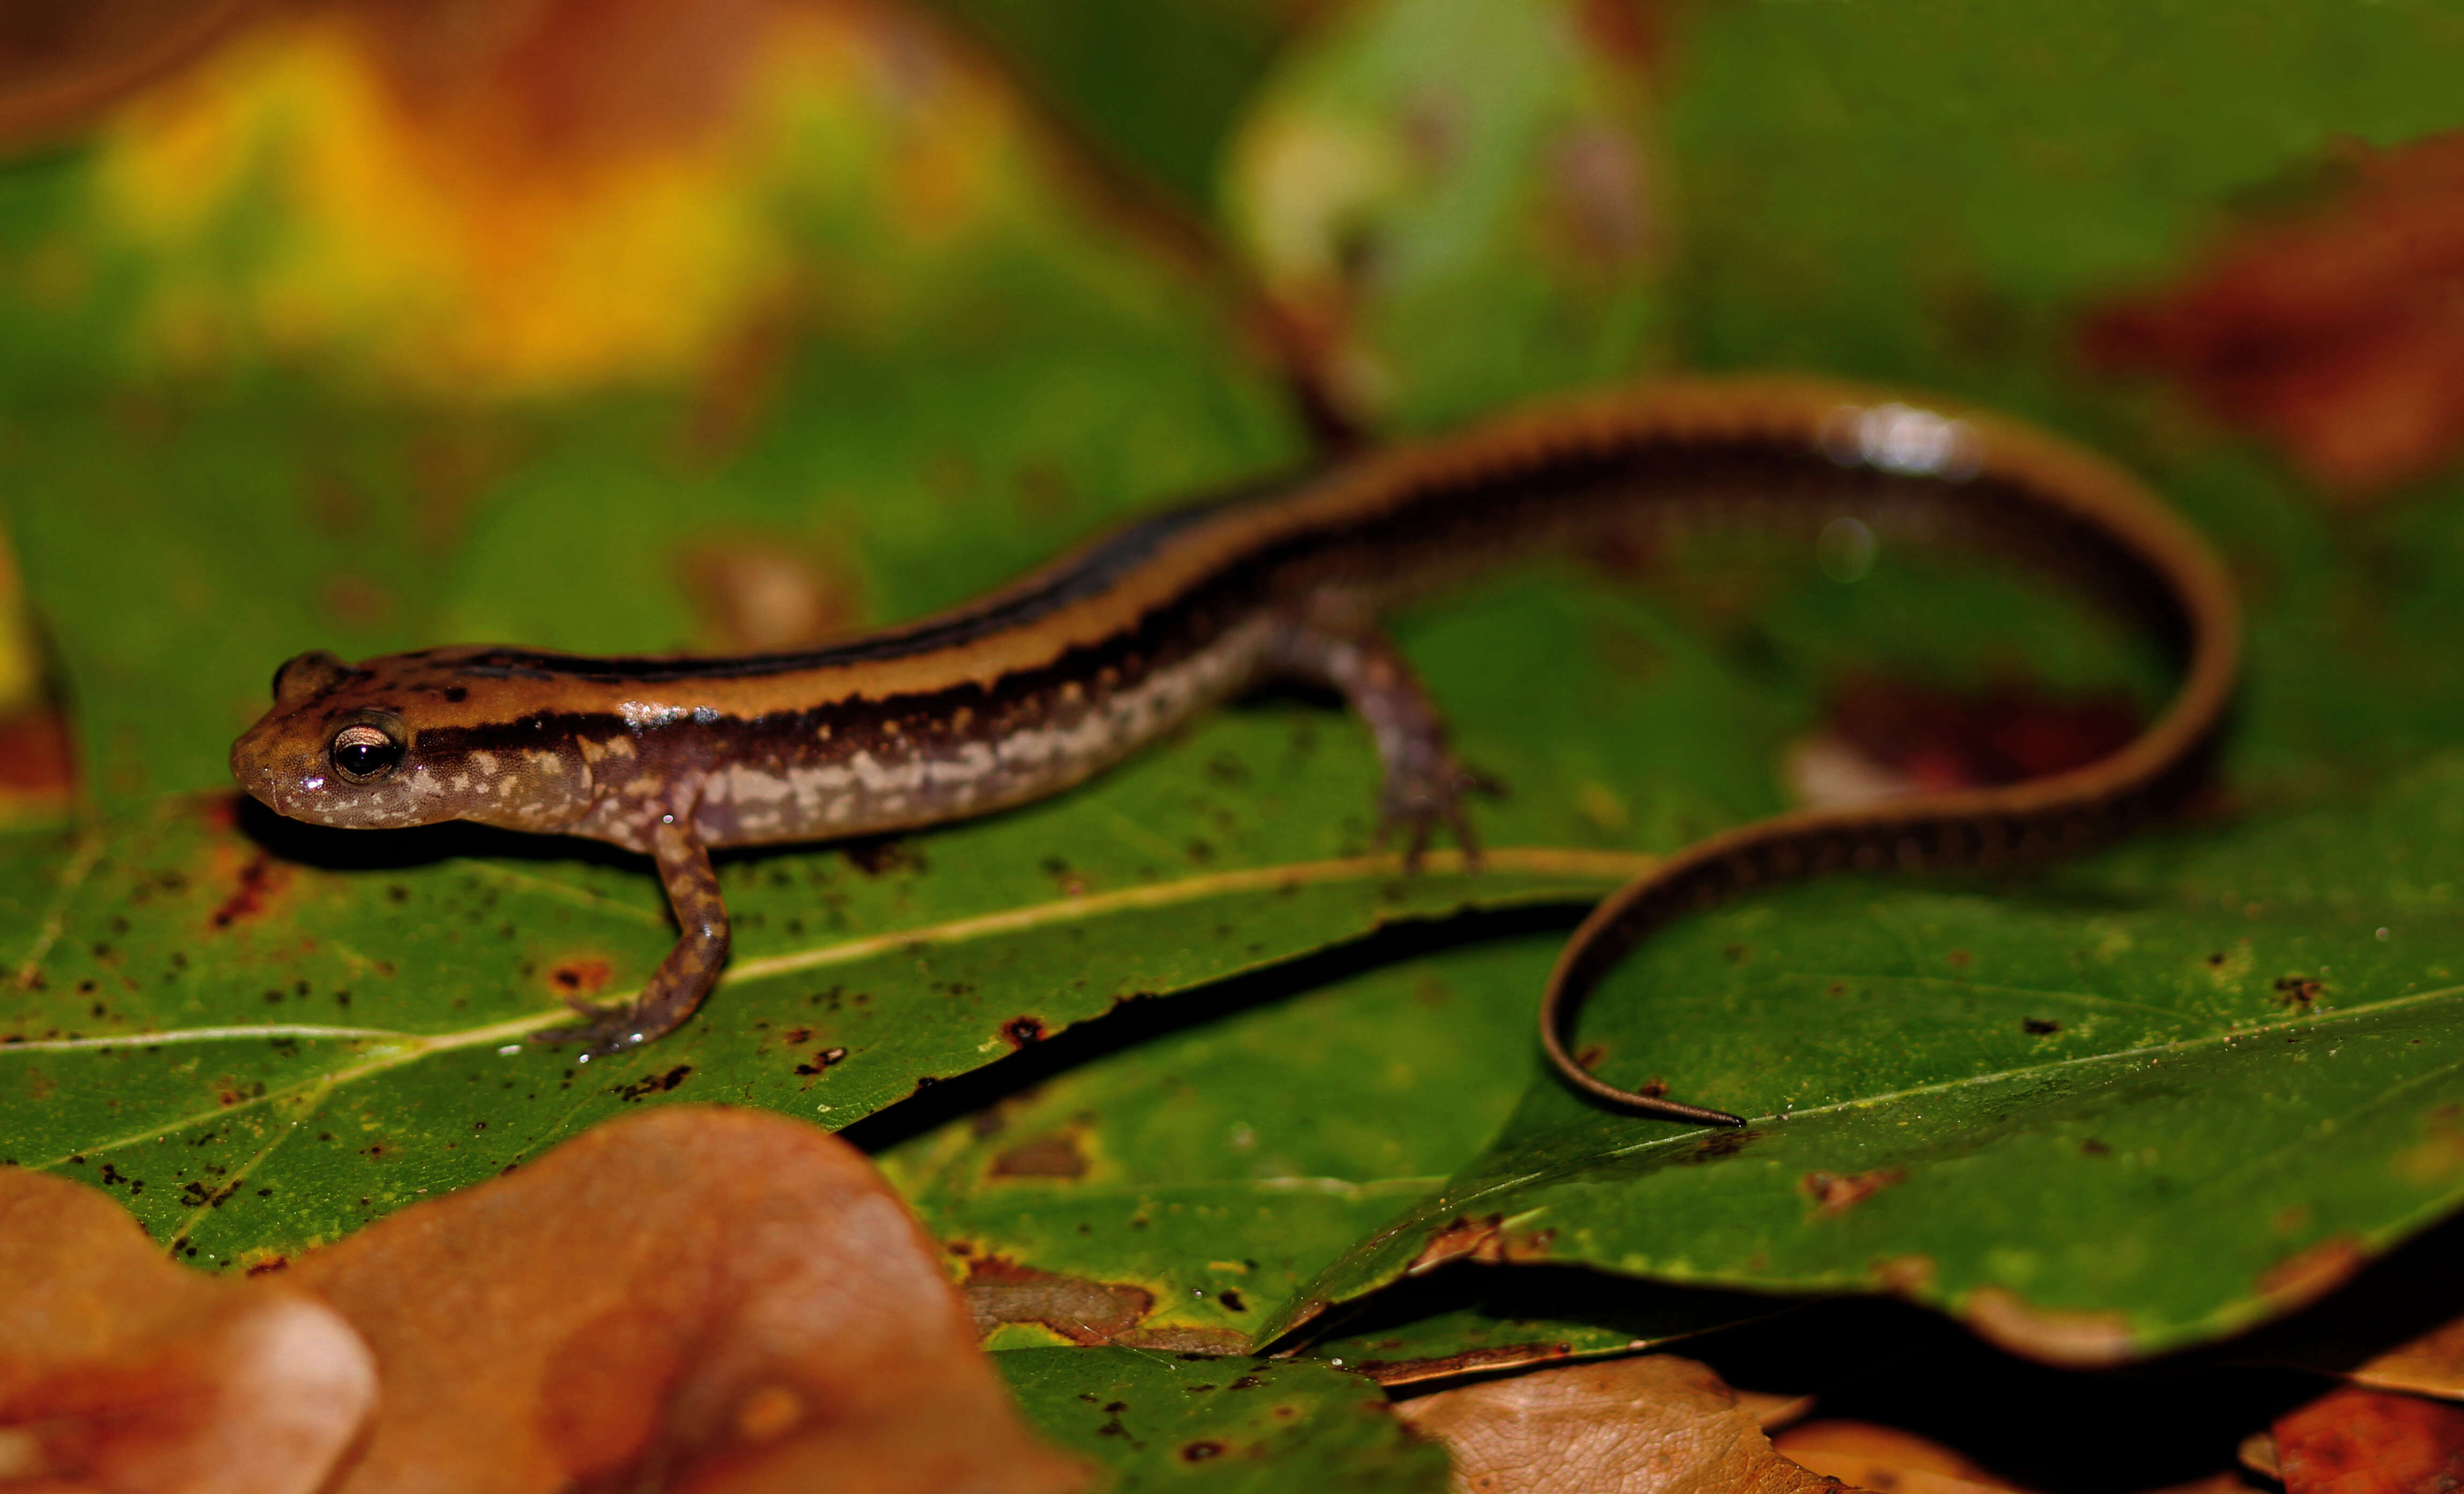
[{"x": 692, "y": 1298}]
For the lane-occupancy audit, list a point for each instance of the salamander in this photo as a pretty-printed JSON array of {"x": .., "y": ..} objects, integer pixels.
[{"x": 1039, "y": 685}]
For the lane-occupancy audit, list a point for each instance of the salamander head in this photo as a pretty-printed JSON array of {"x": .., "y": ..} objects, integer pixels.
[{"x": 403, "y": 740}]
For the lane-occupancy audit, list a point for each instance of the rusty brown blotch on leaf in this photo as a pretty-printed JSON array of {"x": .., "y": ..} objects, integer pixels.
[
  {"x": 1087, "y": 1313},
  {"x": 122, "y": 1371},
  {"x": 2336, "y": 332},
  {"x": 1836, "y": 1193},
  {"x": 690, "y": 1299},
  {"x": 1655, "y": 1424},
  {"x": 1484, "y": 1238}
]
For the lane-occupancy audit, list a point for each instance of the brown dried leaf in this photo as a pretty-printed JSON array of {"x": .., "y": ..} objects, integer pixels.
[
  {"x": 122, "y": 1371},
  {"x": 2339, "y": 332},
  {"x": 2357, "y": 1441},
  {"x": 2430, "y": 1365},
  {"x": 1884, "y": 1457},
  {"x": 1655, "y": 1424},
  {"x": 690, "y": 1299}
]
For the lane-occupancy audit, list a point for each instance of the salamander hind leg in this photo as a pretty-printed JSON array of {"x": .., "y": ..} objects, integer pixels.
[
  {"x": 685, "y": 976},
  {"x": 1425, "y": 785}
]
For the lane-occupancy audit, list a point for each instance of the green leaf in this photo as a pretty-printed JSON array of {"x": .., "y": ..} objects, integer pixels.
[
  {"x": 266, "y": 1054},
  {"x": 1931, "y": 193},
  {"x": 1156, "y": 86},
  {"x": 1460, "y": 192},
  {"x": 1198, "y": 1178},
  {"x": 2114, "y": 1109},
  {"x": 1190, "y": 1422}
]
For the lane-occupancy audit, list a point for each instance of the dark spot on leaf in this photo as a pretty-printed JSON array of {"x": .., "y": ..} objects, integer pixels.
[
  {"x": 653, "y": 1083},
  {"x": 2039, "y": 1026},
  {"x": 1200, "y": 1452},
  {"x": 2092, "y": 1146},
  {"x": 456, "y": 694},
  {"x": 1246, "y": 1382},
  {"x": 1022, "y": 1030},
  {"x": 2217, "y": 958},
  {"x": 877, "y": 855},
  {"x": 2298, "y": 991},
  {"x": 1231, "y": 1300}
]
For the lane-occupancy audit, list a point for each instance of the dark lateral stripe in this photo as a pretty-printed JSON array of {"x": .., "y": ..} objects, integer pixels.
[
  {"x": 1094, "y": 573},
  {"x": 856, "y": 723}
]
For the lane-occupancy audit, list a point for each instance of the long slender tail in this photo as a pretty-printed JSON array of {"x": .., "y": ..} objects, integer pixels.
[{"x": 2026, "y": 493}]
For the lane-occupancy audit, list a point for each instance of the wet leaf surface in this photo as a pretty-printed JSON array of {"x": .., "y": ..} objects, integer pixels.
[
  {"x": 118, "y": 1370},
  {"x": 1162, "y": 1421},
  {"x": 303, "y": 1078},
  {"x": 1187, "y": 1185},
  {"x": 1651, "y": 1425},
  {"x": 2022, "y": 1108}
]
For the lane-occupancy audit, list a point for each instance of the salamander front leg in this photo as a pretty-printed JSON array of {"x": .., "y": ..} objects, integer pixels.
[
  {"x": 1425, "y": 787},
  {"x": 685, "y": 976}
]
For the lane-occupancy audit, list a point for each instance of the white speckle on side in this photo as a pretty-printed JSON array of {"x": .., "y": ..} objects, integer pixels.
[
  {"x": 970, "y": 762},
  {"x": 752, "y": 785}
]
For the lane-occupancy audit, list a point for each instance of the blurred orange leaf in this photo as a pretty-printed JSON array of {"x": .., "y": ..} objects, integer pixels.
[
  {"x": 2357, "y": 1441},
  {"x": 120, "y": 1370},
  {"x": 687, "y": 1299},
  {"x": 2338, "y": 333}
]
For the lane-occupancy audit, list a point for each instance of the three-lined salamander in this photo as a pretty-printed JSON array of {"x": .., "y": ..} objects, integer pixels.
[{"x": 1035, "y": 687}]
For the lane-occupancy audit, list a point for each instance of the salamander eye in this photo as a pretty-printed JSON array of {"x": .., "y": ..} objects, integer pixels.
[{"x": 365, "y": 753}]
